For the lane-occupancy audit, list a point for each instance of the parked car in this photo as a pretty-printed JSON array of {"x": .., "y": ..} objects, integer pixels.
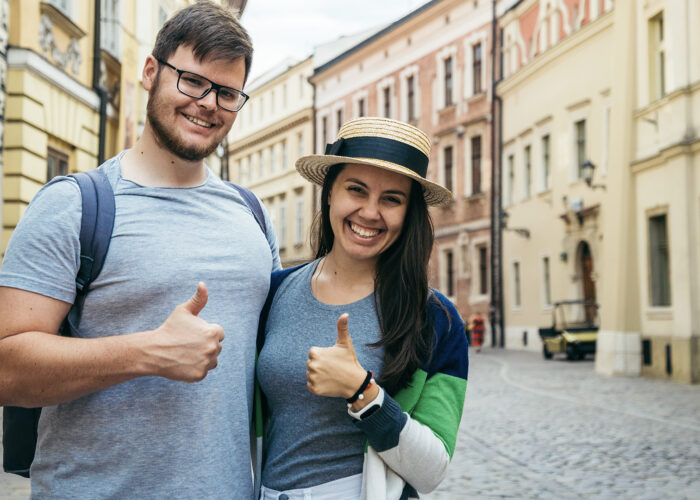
[{"x": 574, "y": 330}]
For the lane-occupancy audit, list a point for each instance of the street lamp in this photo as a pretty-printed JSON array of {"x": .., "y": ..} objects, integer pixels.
[{"x": 587, "y": 170}]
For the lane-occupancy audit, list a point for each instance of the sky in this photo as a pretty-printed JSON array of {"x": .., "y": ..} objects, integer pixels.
[{"x": 291, "y": 28}]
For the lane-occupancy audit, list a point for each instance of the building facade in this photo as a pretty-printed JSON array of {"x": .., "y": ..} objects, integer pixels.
[
  {"x": 274, "y": 129},
  {"x": 431, "y": 69},
  {"x": 596, "y": 186}
]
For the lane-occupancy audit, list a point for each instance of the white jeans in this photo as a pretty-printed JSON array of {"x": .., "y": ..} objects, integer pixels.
[{"x": 347, "y": 488}]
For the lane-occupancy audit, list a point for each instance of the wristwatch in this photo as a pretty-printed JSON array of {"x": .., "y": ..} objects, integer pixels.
[{"x": 370, "y": 408}]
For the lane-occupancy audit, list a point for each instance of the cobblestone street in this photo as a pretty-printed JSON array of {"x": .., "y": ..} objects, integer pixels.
[{"x": 556, "y": 429}]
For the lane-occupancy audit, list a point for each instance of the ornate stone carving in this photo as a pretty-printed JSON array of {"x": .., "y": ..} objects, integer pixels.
[{"x": 71, "y": 56}]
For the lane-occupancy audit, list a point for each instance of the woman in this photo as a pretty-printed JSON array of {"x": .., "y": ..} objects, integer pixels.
[{"x": 392, "y": 352}]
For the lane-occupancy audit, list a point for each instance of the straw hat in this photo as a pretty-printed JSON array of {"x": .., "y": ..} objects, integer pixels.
[{"x": 380, "y": 142}]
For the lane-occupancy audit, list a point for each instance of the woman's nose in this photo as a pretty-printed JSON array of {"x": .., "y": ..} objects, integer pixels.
[{"x": 370, "y": 209}]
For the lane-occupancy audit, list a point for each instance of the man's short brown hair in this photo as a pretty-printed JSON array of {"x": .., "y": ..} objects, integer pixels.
[{"x": 212, "y": 31}]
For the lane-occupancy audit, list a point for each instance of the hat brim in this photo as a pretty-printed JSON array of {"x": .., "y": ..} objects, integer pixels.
[{"x": 314, "y": 168}]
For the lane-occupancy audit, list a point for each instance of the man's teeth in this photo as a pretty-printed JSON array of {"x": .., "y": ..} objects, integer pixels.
[
  {"x": 363, "y": 232},
  {"x": 198, "y": 121}
]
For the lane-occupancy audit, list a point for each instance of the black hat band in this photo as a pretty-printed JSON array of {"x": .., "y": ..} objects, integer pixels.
[{"x": 381, "y": 148}]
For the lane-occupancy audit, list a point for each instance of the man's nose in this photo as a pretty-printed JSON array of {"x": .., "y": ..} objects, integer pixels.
[{"x": 209, "y": 100}]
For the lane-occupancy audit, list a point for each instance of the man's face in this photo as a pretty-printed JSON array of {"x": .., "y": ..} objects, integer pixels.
[{"x": 188, "y": 127}]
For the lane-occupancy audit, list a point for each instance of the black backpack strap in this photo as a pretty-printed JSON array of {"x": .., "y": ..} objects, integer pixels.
[
  {"x": 96, "y": 228},
  {"x": 253, "y": 203},
  {"x": 275, "y": 281}
]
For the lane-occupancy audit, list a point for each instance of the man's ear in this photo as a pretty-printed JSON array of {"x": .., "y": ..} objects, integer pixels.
[{"x": 150, "y": 72}]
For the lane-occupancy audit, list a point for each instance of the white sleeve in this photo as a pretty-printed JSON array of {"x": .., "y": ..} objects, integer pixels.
[{"x": 420, "y": 458}]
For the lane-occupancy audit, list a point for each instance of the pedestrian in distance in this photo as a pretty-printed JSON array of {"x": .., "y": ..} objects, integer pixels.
[
  {"x": 476, "y": 330},
  {"x": 119, "y": 421},
  {"x": 358, "y": 331}
]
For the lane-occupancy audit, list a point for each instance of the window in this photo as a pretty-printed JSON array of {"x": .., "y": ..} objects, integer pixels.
[
  {"x": 361, "y": 107},
  {"x": 477, "y": 68},
  {"x": 324, "y": 130},
  {"x": 546, "y": 282},
  {"x": 511, "y": 179},
  {"x": 527, "y": 177},
  {"x": 239, "y": 170},
  {"x": 300, "y": 145},
  {"x": 282, "y": 224},
  {"x": 56, "y": 164},
  {"x": 299, "y": 221},
  {"x": 284, "y": 95},
  {"x": 476, "y": 164},
  {"x": 111, "y": 27},
  {"x": 516, "y": 284},
  {"x": 273, "y": 155},
  {"x": 449, "y": 274},
  {"x": 284, "y": 155},
  {"x": 580, "y": 147},
  {"x": 483, "y": 270},
  {"x": 449, "y": 81},
  {"x": 262, "y": 105},
  {"x": 301, "y": 86},
  {"x": 448, "y": 167},
  {"x": 660, "y": 280},
  {"x": 63, "y": 5},
  {"x": 657, "y": 57},
  {"x": 261, "y": 165},
  {"x": 386, "y": 91},
  {"x": 162, "y": 16},
  {"x": 411, "y": 97},
  {"x": 545, "y": 162},
  {"x": 339, "y": 118}
]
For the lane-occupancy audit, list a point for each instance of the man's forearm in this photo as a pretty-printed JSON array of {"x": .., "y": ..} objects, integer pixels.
[{"x": 39, "y": 369}]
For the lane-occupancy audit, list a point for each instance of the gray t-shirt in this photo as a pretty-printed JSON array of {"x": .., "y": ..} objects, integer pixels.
[
  {"x": 150, "y": 437},
  {"x": 310, "y": 439}
]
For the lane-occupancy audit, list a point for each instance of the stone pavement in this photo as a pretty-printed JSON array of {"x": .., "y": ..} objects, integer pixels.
[{"x": 557, "y": 430}]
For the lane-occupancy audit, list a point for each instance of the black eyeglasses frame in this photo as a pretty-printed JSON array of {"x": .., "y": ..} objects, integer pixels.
[{"x": 214, "y": 86}]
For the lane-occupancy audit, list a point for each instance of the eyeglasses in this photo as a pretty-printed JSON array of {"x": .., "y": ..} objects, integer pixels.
[{"x": 194, "y": 85}]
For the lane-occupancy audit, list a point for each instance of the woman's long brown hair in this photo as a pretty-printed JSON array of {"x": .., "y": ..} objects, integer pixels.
[{"x": 401, "y": 286}]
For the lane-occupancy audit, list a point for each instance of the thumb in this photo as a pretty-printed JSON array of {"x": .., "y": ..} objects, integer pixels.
[
  {"x": 198, "y": 300},
  {"x": 343, "y": 332}
]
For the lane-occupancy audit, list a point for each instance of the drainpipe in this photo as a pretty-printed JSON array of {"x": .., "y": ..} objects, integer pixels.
[
  {"x": 101, "y": 93},
  {"x": 496, "y": 309}
]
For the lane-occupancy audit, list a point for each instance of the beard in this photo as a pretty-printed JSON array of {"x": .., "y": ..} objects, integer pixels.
[{"x": 166, "y": 135}]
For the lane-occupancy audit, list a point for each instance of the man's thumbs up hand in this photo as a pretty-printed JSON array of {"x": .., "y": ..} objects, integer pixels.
[
  {"x": 198, "y": 300},
  {"x": 335, "y": 371},
  {"x": 185, "y": 347}
]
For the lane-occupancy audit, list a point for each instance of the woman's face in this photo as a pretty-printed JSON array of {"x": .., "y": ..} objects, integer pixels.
[{"x": 367, "y": 210}]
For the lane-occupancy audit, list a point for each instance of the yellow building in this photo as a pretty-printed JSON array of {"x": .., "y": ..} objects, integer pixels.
[
  {"x": 274, "y": 129},
  {"x": 600, "y": 177},
  {"x": 52, "y": 115}
]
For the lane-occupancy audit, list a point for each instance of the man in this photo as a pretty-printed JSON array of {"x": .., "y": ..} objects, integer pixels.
[{"x": 118, "y": 419}]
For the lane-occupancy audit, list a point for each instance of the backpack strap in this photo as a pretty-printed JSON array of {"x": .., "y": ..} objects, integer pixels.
[
  {"x": 96, "y": 227},
  {"x": 253, "y": 203},
  {"x": 275, "y": 281}
]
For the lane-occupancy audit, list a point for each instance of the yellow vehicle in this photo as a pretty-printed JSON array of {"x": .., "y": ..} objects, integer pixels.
[{"x": 574, "y": 330}]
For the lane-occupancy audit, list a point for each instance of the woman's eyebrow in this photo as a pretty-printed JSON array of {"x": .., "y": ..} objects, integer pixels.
[{"x": 391, "y": 191}]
